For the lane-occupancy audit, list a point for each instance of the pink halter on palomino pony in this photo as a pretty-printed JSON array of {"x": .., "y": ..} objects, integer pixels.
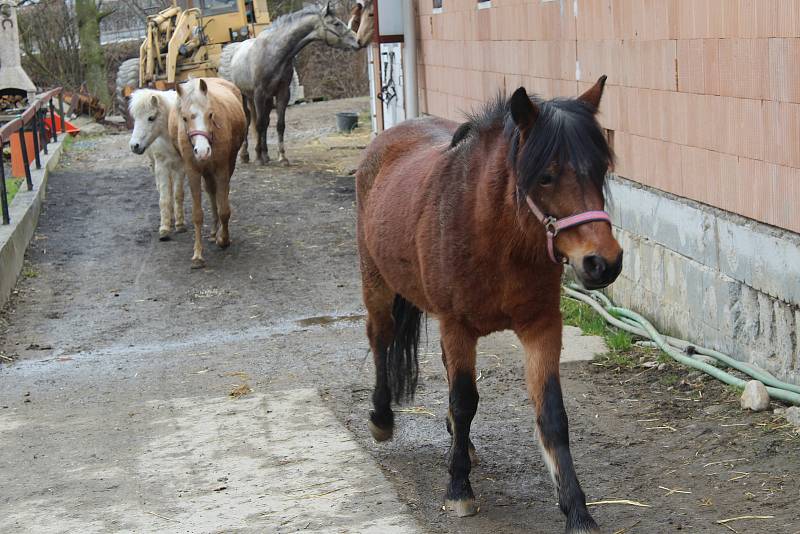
[
  {"x": 553, "y": 226},
  {"x": 201, "y": 133}
]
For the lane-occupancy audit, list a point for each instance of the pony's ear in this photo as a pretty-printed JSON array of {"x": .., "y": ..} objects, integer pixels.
[
  {"x": 523, "y": 111},
  {"x": 327, "y": 9},
  {"x": 595, "y": 93},
  {"x": 154, "y": 100},
  {"x": 203, "y": 86}
]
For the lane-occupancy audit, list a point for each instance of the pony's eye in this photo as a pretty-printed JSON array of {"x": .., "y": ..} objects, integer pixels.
[
  {"x": 151, "y": 119},
  {"x": 546, "y": 179},
  {"x": 185, "y": 119}
]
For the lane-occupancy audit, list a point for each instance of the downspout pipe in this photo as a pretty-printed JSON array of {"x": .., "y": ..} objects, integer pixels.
[{"x": 410, "y": 59}]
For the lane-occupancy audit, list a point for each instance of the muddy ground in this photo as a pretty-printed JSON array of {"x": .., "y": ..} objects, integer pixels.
[{"x": 109, "y": 325}]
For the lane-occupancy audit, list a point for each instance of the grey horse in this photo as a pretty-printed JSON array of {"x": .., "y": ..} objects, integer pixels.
[{"x": 262, "y": 67}]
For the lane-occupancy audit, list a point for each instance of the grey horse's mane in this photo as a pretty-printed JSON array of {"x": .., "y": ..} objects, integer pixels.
[{"x": 289, "y": 18}]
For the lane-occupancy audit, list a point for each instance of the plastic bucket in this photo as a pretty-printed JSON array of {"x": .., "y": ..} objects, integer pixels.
[{"x": 346, "y": 121}]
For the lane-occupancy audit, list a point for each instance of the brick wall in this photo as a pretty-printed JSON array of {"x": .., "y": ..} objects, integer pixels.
[{"x": 703, "y": 95}]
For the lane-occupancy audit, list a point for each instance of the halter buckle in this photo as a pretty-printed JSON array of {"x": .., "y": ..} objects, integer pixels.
[{"x": 551, "y": 226}]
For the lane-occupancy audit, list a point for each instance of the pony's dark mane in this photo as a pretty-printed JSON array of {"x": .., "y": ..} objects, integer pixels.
[{"x": 566, "y": 132}]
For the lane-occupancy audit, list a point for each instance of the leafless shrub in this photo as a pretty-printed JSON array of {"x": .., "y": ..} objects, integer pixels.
[
  {"x": 48, "y": 37},
  {"x": 332, "y": 73}
]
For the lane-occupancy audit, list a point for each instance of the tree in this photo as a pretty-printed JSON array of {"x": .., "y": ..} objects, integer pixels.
[{"x": 89, "y": 15}]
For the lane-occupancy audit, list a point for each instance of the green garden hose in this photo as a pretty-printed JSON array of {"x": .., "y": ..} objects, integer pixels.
[{"x": 681, "y": 350}]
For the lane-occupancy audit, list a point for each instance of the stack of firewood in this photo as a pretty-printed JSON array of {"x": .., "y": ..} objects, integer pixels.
[{"x": 12, "y": 101}]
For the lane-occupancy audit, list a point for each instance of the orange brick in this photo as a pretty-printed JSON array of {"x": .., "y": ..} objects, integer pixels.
[
  {"x": 767, "y": 18},
  {"x": 786, "y": 193},
  {"x": 711, "y": 83},
  {"x": 781, "y": 122},
  {"x": 744, "y": 67},
  {"x": 784, "y": 70},
  {"x": 748, "y": 18},
  {"x": 752, "y": 189},
  {"x": 750, "y": 128},
  {"x": 691, "y": 78},
  {"x": 725, "y": 192},
  {"x": 694, "y": 165},
  {"x": 678, "y": 125}
]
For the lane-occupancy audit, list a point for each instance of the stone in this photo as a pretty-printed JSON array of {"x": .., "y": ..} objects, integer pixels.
[
  {"x": 792, "y": 415},
  {"x": 662, "y": 366},
  {"x": 755, "y": 397}
]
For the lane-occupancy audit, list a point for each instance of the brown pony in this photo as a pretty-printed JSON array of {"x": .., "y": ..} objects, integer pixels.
[
  {"x": 451, "y": 221},
  {"x": 207, "y": 127}
]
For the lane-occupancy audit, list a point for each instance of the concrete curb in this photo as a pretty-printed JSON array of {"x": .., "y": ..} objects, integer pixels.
[{"x": 24, "y": 211}]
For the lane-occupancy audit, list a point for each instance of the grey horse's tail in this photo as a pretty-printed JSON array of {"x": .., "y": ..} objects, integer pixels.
[{"x": 224, "y": 69}]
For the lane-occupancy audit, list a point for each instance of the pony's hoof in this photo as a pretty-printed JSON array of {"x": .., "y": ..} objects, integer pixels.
[
  {"x": 263, "y": 160},
  {"x": 581, "y": 524},
  {"x": 244, "y": 157},
  {"x": 462, "y": 508},
  {"x": 378, "y": 433},
  {"x": 223, "y": 242},
  {"x": 180, "y": 228},
  {"x": 284, "y": 162},
  {"x": 198, "y": 263},
  {"x": 163, "y": 235}
]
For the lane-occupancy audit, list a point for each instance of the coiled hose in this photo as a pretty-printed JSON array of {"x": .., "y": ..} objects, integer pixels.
[{"x": 679, "y": 349}]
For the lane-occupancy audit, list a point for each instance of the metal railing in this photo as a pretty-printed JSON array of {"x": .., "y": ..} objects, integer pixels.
[{"x": 31, "y": 120}]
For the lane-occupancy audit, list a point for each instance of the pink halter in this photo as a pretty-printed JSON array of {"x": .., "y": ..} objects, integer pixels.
[
  {"x": 201, "y": 133},
  {"x": 553, "y": 226}
]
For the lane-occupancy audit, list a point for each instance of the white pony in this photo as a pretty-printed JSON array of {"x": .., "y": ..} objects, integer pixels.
[{"x": 150, "y": 110}]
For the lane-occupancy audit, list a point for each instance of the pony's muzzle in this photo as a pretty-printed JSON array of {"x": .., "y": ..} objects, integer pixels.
[
  {"x": 597, "y": 272},
  {"x": 202, "y": 152},
  {"x": 137, "y": 148}
]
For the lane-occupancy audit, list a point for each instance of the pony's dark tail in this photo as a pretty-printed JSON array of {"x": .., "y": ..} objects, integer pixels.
[{"x": 402, "y": 362}]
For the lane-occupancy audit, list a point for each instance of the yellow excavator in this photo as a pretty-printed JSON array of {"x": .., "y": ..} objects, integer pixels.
[{"x": 186, "y": 40}]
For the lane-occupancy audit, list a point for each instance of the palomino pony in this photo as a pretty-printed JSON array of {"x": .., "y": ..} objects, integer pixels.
[
  {"x": 473, "y": 224},
  {"x": 208, "y": 127},
  {"x": 150, "y": 111},
  {"x": 262, "y": 67},
  {"x": 364, "y": 25}
]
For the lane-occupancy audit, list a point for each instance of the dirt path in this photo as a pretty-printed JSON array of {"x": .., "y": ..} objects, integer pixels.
[{"x": 116, "y": 414}]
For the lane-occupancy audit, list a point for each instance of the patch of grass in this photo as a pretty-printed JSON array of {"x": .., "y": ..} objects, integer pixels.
[
  {"x": 578, "y": 314},
  {"x": 734, "y": 390},
  {"x": 590, "y": 322},
  {"x": 669, "y": 379},
  {"x": 620, "y": 359},
  {"x": 68, "y": 140},
  {"x": 663, "y": 358},
  {"x": 29, "y": 272},
  {"x": 619, "y": 341},
  {"x": 12, "y": 186}
]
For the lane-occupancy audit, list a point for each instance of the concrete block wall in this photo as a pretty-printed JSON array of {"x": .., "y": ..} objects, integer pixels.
[
  {"x": 703, "y": 97},
  {"x": 709, "y": 276}
]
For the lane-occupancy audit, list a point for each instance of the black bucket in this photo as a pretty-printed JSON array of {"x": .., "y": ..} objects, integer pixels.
[{"x": 346, "y": 121}]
